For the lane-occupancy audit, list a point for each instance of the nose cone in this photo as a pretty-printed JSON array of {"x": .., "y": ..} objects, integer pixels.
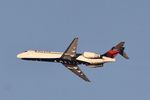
[{"x": 19, "y": 55}]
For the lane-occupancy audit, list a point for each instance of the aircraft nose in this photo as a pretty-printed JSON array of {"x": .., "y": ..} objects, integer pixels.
[{"x": 19, "y": 55}]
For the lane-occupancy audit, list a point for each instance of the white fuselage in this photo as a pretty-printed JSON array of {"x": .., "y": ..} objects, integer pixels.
[{"x": 40, "y": 55}]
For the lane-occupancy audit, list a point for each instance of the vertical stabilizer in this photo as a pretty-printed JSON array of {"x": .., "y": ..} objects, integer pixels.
[{"x": 118, "y": 49}]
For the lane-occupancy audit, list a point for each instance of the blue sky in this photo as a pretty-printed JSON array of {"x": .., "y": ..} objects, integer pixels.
[{"x": 51, "y": 25}]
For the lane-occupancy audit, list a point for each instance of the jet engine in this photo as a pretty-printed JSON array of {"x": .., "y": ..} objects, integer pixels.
[{"x": 91, "y": 55}]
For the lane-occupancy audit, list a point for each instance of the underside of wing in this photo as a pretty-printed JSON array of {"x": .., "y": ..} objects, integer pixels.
[
  {"x": 76, "y": 70},
  {"x": 71, "y": 50}
]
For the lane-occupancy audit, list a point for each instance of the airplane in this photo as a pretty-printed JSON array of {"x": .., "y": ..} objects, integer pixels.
[{"x": 71, "y": 59}]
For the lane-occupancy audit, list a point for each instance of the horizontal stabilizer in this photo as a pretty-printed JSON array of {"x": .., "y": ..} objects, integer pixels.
[{"x": 124, "y": 54}]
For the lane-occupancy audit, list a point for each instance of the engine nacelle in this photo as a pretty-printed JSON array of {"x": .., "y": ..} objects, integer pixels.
[{"x": 91, "y": 55}]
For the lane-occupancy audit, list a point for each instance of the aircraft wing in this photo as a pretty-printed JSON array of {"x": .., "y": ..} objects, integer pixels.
[
  {"x": 71, "y": 50},
  {"x": 76, "y": 70}
]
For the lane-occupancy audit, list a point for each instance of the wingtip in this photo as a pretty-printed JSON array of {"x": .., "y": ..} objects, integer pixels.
[{"x": 87, "y": 80}]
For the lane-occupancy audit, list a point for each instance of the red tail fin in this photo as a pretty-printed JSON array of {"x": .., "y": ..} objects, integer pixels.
[
  {"x": 118, "y": 49},
  {"x": 112, "y": 53}
]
